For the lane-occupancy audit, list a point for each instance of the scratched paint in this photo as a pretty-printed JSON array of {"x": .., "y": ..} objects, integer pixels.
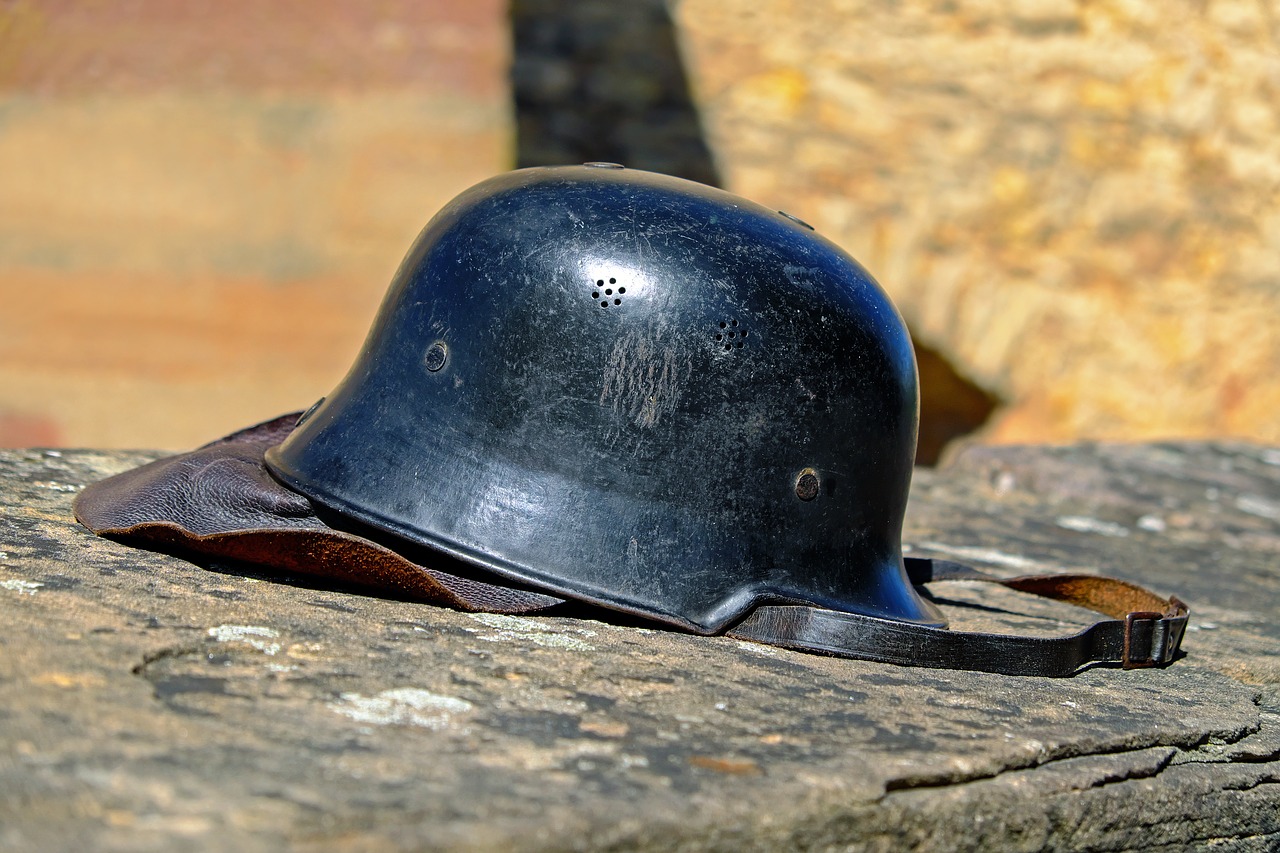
[{"x": 644, "y": 379}]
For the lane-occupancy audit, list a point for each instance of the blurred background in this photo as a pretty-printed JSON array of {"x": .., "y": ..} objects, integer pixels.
[{"x": 1075, "y": 204}]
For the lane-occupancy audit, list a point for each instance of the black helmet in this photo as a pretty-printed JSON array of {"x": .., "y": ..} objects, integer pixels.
[{"x": 635, "y": 390}]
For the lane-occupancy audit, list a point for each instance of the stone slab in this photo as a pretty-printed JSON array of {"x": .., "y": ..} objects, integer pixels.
[{"x": 150, "y": 703}]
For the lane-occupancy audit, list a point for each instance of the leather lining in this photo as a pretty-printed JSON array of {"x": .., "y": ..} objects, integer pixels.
[{"x": 220, "y": 501}]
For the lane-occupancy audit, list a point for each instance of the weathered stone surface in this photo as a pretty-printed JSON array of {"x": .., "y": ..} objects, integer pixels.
[
  {"x": 1078, "y": 204},
  {"x": 149, "y": 703}
]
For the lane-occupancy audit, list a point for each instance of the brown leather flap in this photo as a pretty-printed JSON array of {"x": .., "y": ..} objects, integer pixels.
[{"x": 220, "y": 501}]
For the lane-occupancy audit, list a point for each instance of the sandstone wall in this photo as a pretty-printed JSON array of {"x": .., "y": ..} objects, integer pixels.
[
  {"x": 1075, "y": 202},
  {"x": 201, "y": 204}
]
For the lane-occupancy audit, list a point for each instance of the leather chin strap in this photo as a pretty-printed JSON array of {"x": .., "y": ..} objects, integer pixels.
[{"x": 1145, "y": 629}]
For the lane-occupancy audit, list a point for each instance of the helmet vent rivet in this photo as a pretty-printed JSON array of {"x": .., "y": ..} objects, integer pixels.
[
  {"x": 603, "y": 293},
  {"x": 730, "y": 335},
  {"x": 807, "y": 485},
  {"x": 435, "y": 357}
]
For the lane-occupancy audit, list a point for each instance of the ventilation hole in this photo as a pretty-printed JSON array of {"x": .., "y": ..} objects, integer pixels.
[
  {"x": 733, "y": 323},
  {"x": 600, "y": 282},
  {"x": 728, "y": 346},
  {"x": 744, "y": 333},
  {"x": 604, "y": 303},
  {"x": 723, "y": 324},
  {"x": 622, "y": 290},
  {"x": 613, "y": 281},
  {"x": 608, "y": 291},
  {"x": 731, "y": 334},
  {"x": 739, "y": 344},
  {"x": 719, "y": 337},
  {"x": 617, "y": 302},
  {"x": 595, "y": 295}
]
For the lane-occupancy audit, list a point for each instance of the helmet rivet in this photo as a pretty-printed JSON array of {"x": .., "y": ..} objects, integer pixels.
[
  {"x": 436, "y": 354},
  {"x": 807, "y": 485}
]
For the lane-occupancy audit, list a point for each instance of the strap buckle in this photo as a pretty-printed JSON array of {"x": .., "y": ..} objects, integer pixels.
[{"x": 1157, "y": 651}]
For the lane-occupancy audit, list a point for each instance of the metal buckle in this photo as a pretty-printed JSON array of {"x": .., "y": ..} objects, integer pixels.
[{"x": 1126, "y": 660}]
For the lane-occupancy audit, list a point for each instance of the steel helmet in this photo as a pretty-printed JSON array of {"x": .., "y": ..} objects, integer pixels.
[{"x": 634, "y": 390}]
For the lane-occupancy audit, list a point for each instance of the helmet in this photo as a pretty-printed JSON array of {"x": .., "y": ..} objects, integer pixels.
[
  {"x": 634, "y": 390},
  {"x": 631, "y": 390}
]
